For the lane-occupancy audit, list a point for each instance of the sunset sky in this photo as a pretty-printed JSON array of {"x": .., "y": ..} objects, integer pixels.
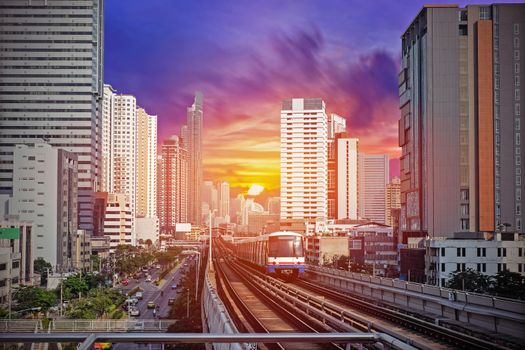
[{"x": 246, "y": 57}]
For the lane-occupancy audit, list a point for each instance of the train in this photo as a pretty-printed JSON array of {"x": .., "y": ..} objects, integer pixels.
[{"x": 279, "y": 253}]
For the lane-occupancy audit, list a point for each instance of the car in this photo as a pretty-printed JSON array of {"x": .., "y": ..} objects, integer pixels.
[
  {"x": 139, "y": 295},
  {"x": 144, "y": 269},
  {"x": 151, "y": 304},
  {"x": 174, "y": 286},
  {"x": 131, "y": 301},
  {"x": 171, "y": 301},
  {"x": 125, "y": 282},
  {"x": 134, "y": 311},
  {"x": 148, "y": 279},
  {"x": 157, "y": 266},
  {"x": 102, "y": 346}
]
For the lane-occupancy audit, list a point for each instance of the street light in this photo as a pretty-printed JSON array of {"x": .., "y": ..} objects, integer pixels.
[
  {"x": 187, "y": 303},
  {"x": 197, "y": 274}
]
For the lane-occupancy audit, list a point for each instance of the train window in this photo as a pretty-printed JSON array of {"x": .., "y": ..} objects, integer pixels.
[{"x": 285, "y": 246}]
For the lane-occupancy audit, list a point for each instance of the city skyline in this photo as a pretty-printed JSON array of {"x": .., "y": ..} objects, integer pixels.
[{"x": 355, "y": 64}]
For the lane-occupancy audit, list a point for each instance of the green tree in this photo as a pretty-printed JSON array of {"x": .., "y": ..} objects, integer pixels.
[
  {"x": 340, "y": 262},
  {"x": 99, "y": 303},
  {"x": 28, "y": 297},
  {"x": 509, "y": 285},
  {"x": 42, "y": 267},
  {"x": 356, "y": 266},
  {"x": 470, "y": 281},
  {"x": 74, "y": 285}
]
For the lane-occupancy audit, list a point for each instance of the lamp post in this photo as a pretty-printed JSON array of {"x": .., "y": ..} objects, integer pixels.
[
  {"x": 197, "y": 274},
  {"x": 210, "y": 261},
  {"x": 187, "y": 303}
]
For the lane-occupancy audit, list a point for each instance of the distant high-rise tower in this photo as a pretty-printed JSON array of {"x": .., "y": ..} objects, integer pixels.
[
  {"x": 336, "y": 126},
  {"x": 393, "y": 199},
  {"x": 304, "y": 159},
  {"x": 460, "y": 127},
  {"x": 210, "y": 196},
  {"x": 274, "y": 205},
  {"x": 347, "y": 177},
  {"x": 373, "y": 176},
  {"x": 146, "y": 164},
  {"x": 194, "y": 139},
  {"x": 224, "y": 199},
  {"x": 172, "y": 199},
  {"x": 52, "y": 86}
]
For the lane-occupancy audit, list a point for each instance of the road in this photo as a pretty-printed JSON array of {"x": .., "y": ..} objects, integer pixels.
[{"x": 153, "y": 293}]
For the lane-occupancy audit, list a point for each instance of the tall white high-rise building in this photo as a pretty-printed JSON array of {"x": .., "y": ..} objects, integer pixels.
[
  {"x": 192, "y": 141},
  {"x": 146, "y": 164},
  {"x": 224, "y": 200},
  {"x": 373, "y": 178},
  {"x": 121, "y": 144},
  {"x": 304, "y": 159},
  {"x": 347, "y": 178},
  {"x": 51, "y": 73},
  {"x": 106, "y": 144}
]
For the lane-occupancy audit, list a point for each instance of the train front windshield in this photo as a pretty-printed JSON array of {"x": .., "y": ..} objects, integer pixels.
[{"x": 285, "y": 246}]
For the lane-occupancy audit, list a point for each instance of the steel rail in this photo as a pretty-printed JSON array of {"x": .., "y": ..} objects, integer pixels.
[
  {"x": 244, "y": 309},
  {"x": 438, "y": 332},
  {"x": 88, "y": 339}
]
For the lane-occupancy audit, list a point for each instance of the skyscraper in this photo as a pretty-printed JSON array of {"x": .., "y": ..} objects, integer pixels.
[
  {"x": 172, "y": 199},
  {"x": 210, "y": 196},
  {"x": 336, "y": 126},
  {"x": 146, "y": 164},
  {"x": 460, "y": 127},
  {"x": 304, "y": 159},
  {"x": 393, "y": 199},
  {"x": 224, "y": 200},
  {"x": 274, "y": 205},
  {"x": 194, "y": 148},
  {"x": 52, "y": 86},
  {"x": 119, "y": 145},
  {"x": 347, "y": 178},
  {"x": 106, "y": 141},
  {"x": 373, "y": 176}
]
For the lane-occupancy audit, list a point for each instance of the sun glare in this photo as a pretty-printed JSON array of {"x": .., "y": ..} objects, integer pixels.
[{"x": 255, "y": 190}]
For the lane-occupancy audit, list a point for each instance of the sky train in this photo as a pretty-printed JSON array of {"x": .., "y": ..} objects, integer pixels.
[{"x": 280, "y": 253}]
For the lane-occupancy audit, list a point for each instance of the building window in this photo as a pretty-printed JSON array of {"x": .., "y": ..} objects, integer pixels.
[
  {"x": 516, "y": 28},
  {"x": 520, "y": 252},
  {"x": 442, "y": 251},
  {"x": 502, "y": 267},
  {"x": 481, "y": 267},
  {"x": 484, "y": 12},
  {"x": 481, "y": 252},
  {"x": 461, "y": 252},
  {"x": 16, "y": 264},
  {"x": 520, "y": 268},
  {"x": 442, "y": 267},
  {"x": 3, "y": 267}
]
